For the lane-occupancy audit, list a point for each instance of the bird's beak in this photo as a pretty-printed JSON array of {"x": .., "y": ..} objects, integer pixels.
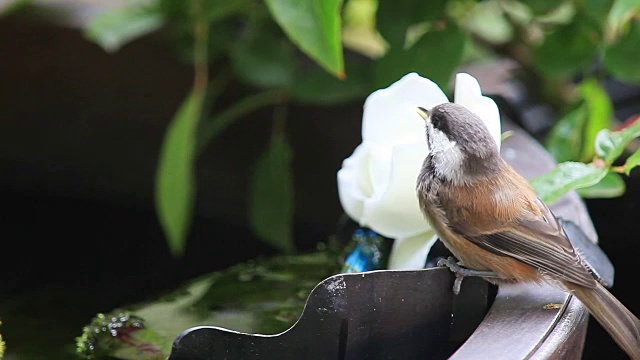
[{"x": 424, "y": 113}]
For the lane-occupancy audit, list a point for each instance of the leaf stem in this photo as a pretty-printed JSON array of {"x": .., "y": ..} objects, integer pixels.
[
  {"x": 200, "y": 38},
  {"x": 618, "y": 169}
]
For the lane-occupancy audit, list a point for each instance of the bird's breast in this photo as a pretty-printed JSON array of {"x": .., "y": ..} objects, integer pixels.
[{"x": 448, "y": 207}]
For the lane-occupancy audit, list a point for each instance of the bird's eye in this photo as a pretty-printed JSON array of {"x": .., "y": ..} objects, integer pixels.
[{"x": 436, "y": 121}]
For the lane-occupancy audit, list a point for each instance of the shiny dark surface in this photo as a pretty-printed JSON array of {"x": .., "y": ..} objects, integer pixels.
[{"x": 375, "y": 315}]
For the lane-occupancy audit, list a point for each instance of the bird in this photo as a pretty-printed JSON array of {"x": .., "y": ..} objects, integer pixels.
[{"x": 492, "y": 221}]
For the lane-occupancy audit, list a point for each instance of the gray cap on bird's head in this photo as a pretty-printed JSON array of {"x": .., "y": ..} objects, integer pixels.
[
  {"x": 460, "y": 126},
  {"x": 461, "y": 148}
]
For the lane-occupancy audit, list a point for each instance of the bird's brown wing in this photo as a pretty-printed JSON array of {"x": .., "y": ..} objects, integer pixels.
[{"x": 539, "y": 241}]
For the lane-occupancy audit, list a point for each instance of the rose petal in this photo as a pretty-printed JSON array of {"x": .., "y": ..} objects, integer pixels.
[
  {"x": 380, "y": 166},
  {"x": 353, "y": 184},
  {"x": 468, "y": 94},
  {"x": 390, "y": 114},
  {"x": 393, "y": 210},
  {"x": 411, "y": 253}
]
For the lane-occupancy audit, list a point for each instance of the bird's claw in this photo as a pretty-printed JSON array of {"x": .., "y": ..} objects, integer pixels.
[{"x": 462, "y": 272}]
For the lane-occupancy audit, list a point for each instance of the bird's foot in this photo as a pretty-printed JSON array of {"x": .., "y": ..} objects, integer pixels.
[{"x": 462, "y": 272}]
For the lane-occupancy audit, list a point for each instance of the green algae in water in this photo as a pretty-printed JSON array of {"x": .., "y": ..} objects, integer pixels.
[
  {"x": 1, "y": 345},
  {"x": 265, "y": 295},
  {"x": 110, "y": 332}
]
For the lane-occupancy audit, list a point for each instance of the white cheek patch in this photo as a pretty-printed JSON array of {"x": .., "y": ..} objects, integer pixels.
[
  {"x": 447, "y": 157},
  {"x": 441, "y": 142},
  {"x": 449, "y": 164}
]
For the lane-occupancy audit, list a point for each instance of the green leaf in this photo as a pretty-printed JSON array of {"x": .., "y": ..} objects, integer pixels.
[
  {"x": 621, "y": 57},
  {"x": 393, "y": 17},
  {"x": 564, "y": 141},
  {"x": 568, "y": 49},
  {"x": 609, "y": 145},
  {"x": 632, "y": 162},
  {"x": 599, "y": 114},
  {"x": 595, "y": 9},
  {"x": 541, "y": 6},
  {"x": 6, "y": 8},
  {"x": 314, "y": 26},
  {"x": 506, "y": 135},
  {"x": 621, "y": 13},
  {"x": 562, "y": 14},
  {"x": 612, "y": 185},
  {"x": 175, "y": 180},
  {"x": 219, "y": 9},
  {"x": 573, "y": 136},
  {"x": 436, "y": 55},
  {"x": 271, "y": 202},
  {"x": 176, "y": 9},
  {"x": 518, "y": 12},
  {"x": 319, "y": 88},
  {"x": 487, "y": 20},
  {"x": 264, "y": 59},
  {"x": 111, "y": 30},
  {"x": 565, "y": 177}
]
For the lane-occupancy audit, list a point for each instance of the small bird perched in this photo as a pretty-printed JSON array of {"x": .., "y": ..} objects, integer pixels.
[{"x": 490, "y": 218}]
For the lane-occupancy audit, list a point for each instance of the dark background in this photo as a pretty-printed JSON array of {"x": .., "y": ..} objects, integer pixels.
[{"x": 80, "y": 132}]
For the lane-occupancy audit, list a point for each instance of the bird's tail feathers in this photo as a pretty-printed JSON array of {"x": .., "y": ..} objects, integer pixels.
[{"x": 613, "y": 316}]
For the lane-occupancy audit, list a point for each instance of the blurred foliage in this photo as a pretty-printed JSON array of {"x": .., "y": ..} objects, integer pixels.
[
  {"x": 598, "y": 178},
  {"x": 1, "y": 346},
  {"x": 175, "y": 178},
  {"x": 271, "y": 202},
  {"x": 573, "y": 136},
  {"x": 326, "y": 52},
  {"x": 115, "y": 29},
  {"x": 10, "y": 6}
]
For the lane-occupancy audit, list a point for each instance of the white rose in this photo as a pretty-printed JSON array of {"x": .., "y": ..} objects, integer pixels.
[{"x": 376, "y": 184}]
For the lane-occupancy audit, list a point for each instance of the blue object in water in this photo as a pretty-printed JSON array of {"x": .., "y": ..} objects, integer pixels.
[{"x": 370, "y": 252}]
